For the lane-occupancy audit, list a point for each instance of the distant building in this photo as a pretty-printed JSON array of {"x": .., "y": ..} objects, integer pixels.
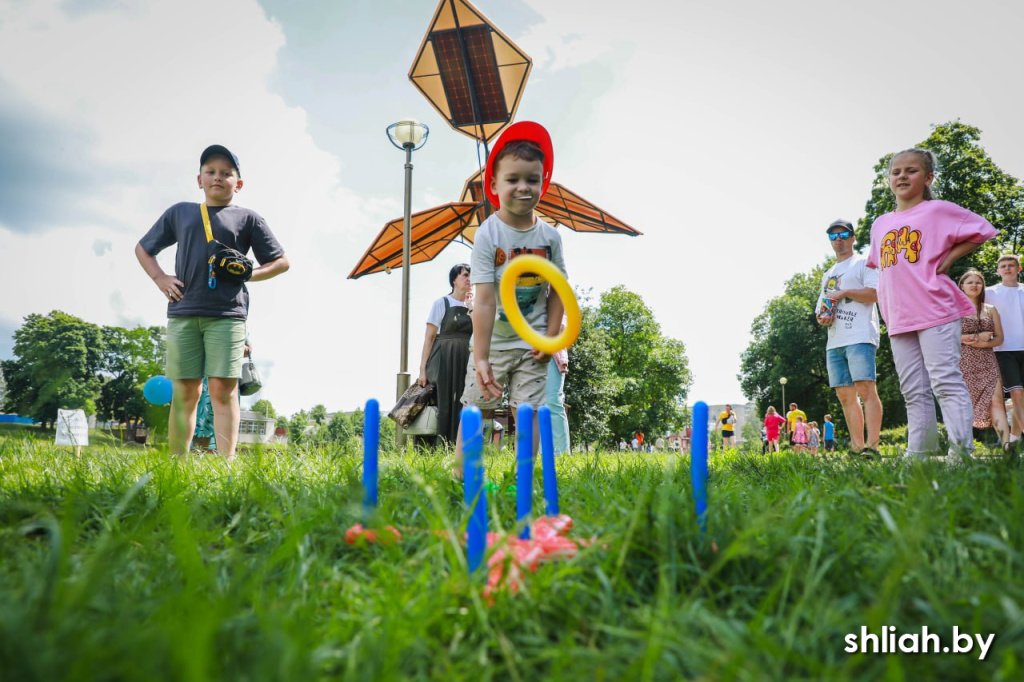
[
  {"x": 744, "y": 413},
  {"x": 255, "y": 427}
]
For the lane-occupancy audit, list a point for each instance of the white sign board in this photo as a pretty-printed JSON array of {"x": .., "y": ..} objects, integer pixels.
[{"x": 72, "y": 428}]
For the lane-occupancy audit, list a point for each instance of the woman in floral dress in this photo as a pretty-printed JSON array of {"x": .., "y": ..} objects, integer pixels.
[{"x": 981, "y": 333}]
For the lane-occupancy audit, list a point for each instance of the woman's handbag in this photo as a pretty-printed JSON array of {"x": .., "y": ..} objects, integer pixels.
[
  {"x": 425, "y": 424},
  {"x": 411, "y": 404},
  {"x": 250, "y": 382}
]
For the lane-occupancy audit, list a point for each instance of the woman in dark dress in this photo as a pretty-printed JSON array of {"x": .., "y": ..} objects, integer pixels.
[{"x": 446, "y": 351}]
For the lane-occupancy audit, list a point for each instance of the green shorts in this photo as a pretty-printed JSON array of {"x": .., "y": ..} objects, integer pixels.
[{"x": 200, "y": 347}]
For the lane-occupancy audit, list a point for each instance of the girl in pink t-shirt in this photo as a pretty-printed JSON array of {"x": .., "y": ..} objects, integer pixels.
[
  {"x": 913, "y": 248},
  {"x": 800, "y": 433}
]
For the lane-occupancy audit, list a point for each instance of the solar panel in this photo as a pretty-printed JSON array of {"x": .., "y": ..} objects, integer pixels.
[{"x": 483, "y": 75}]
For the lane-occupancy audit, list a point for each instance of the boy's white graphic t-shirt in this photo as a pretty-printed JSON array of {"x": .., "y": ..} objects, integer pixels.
[
  {"x": 494, "y": 245},
  {"x": 1009, "y": 301},
  {"x": 853, "y": 321}
]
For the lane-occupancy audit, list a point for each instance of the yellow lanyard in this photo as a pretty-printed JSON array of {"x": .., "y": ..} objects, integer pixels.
[
  {"x": 206, "y": 221},
  {"x": 211, "y": 276}
]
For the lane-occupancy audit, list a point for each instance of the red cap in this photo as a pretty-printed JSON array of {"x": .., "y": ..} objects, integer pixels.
[{"x": 524, "y": 130}]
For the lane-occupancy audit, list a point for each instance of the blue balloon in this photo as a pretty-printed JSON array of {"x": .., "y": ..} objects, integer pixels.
[{"x": 158, "y": 389}]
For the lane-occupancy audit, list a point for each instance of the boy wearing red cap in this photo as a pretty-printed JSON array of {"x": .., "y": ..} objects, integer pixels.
[
  {"x": 517, "y": 176},
  {"x": 206, "y": 314}
]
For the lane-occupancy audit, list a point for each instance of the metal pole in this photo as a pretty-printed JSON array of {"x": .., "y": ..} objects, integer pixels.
[{"x": 403, "y": 374}]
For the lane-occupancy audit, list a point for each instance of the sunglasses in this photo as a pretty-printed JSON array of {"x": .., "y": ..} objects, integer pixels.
[{"x": 845, "y": 234}]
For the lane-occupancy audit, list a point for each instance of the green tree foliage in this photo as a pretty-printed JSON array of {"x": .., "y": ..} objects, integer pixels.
[
  {"x": 590, "y": 383},
  {"x": 651, "y": 373},
  {"x": 282, "y": 423},
  {"x": 130, "y": 357},
  {"x": 318, "y": 414},
  {"x": 968, "y": 177},
  {"x": 264, "y": 407},
  {"x": 788, "y": 342},
  {"x": 339, "y": 429},
  {"x": 387, "y": 434},
  {"x": 58, "y": 358},
  {"x": 357, "y": 419},
  {"x": 297, "y": 427}
]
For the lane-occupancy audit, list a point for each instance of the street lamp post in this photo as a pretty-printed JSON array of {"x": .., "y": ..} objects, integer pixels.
[
  {"x": 410, "y": 135},
  {"x": 783, "y": 380}
]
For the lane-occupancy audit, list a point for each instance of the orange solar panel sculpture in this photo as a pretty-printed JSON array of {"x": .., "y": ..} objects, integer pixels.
[{"x": 474, "y": 76}]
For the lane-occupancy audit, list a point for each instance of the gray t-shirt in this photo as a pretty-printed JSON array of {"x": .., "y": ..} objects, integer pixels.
[
  {"x": 234, "y": 226},
  {"x": 494, "y": 245}
]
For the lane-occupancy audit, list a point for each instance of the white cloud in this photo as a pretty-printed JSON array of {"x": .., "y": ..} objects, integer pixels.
[{"x": 153, "y": 85}]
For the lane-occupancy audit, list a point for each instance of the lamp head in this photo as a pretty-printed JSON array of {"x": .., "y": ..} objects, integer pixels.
[{"x": 408, "y": 134}]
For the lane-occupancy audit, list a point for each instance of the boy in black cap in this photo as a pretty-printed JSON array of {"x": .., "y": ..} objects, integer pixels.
[{"x": 206, "y": 313}]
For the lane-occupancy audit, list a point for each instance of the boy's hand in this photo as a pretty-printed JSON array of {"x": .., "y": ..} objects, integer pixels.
[
  {"x": 485, "y": 379},
  {"x": 170, "y": 286},
  {"x": 538, "y": 356},
  {"x": 826, "y": 320}
]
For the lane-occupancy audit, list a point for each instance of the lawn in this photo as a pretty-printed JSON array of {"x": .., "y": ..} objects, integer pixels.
[{"x": 128, "y": 566}]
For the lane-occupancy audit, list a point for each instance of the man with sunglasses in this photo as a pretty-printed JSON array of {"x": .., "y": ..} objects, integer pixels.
[{"x": 847, "y": 307}]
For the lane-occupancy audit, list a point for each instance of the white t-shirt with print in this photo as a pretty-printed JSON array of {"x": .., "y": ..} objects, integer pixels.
[
  {"x": 1009, "y": 301},
  {"x": 494, "y": 245},
  {"x": 853, "y": 322}
]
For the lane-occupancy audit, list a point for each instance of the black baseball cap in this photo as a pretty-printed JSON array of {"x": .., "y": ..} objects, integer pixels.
[
  {"x": 219, "y": 150},
  {"x": 845, "y": 224}
]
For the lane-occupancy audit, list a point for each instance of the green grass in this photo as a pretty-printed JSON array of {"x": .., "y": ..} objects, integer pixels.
[{"x": 128, "y": 566}]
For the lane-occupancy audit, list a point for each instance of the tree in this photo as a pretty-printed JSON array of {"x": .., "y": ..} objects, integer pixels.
[
  {"x": 130, "y": 357},
  {"x": 318, "y": 414},
  {"x": 58, "y": 358},
  {"x": 297, "y": 427},
  {"x": 357, "y": 418},
  {"x": 966, "y": 176},
  {"x": 264, "y": 407},
  {"x": 653, "y": 377},
  {"x": 339, "y": 429},
  {"x": 282, "y": 423},
  {"x": 590, "y": 385}
]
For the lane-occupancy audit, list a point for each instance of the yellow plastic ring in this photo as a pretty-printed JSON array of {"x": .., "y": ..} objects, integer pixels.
[{"x": 549, "y": 345}]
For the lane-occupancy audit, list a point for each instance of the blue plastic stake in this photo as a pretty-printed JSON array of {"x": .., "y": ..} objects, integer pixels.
[
  {"x": 371, "y": 441},
  {"x": 524, "y": 469},
  {"x": 547, "y": 461},
  {"x": 699, "y": 463},
  {"x": 473, "y": 481}
]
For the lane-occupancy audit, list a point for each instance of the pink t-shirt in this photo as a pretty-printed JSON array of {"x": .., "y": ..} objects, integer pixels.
[
  {"x": 772, "y": 423},
  {"x": 906, "y": 248}
]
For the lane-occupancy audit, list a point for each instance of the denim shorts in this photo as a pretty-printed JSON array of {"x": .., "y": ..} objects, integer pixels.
[{"x": 848, "y": 364}]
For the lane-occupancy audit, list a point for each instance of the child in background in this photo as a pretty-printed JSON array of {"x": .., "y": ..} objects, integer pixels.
[
  {"x": 207, "y": 315},
  {"x": 800, "y": 431},
  {"x": 815, "y": 438},
  {"x": 913, "y": 248},
  {"x": 830, "y": 434}
]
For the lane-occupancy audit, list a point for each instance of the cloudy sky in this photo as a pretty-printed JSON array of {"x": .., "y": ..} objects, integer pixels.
[{"x": 730, "y": 133}]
